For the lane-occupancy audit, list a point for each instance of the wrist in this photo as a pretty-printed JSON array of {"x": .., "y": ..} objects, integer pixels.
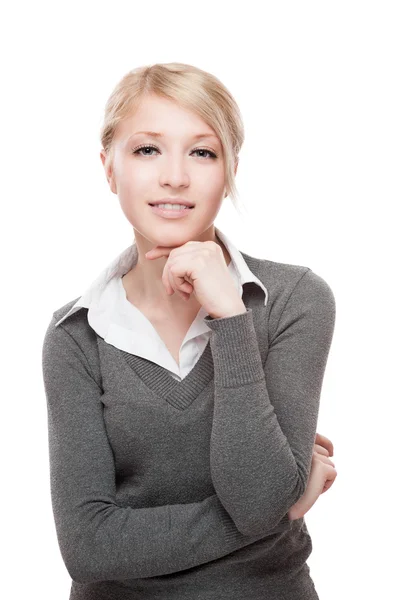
[{"x": 237, "y": 309}]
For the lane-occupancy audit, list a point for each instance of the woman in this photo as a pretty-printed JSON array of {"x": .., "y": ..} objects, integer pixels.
[{"x": 183, "y": 387}]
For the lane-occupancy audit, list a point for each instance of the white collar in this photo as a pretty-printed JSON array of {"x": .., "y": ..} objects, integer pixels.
[{"x": 127, "y": 259}]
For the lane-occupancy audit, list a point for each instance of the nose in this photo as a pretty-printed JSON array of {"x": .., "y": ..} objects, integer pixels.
[{"x": 175, "y": 172}]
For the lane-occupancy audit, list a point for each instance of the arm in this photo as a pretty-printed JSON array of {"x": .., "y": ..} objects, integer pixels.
[
  {"x": 265, "y": 417},
  {"x": 98, "y": 539}
]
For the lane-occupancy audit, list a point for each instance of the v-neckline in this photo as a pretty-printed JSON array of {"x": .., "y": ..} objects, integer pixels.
[{"x": 181, "y": 394}]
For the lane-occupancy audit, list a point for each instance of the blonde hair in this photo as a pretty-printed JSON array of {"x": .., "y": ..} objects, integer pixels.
[{"x": 193, "y": 89}]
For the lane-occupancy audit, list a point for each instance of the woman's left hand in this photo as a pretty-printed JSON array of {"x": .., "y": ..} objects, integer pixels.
[{"x": 200, "y": 268}]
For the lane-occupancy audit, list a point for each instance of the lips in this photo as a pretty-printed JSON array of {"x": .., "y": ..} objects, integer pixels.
[
  {"x": 171, "y": 213},
  {"x": 180, "y": 201},
  {"x": 188, "y": 206}
]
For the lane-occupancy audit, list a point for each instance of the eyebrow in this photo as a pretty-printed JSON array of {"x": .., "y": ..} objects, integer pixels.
[{"x": 159, "y": 135}]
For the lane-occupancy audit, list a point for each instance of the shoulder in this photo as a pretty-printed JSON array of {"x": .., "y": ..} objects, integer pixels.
[
  {"x": 73, "y": 335},
  {"x": 76, "y": 324},
  {"x": 292, "y": 288},
  {"x": 281, "y": 278}
]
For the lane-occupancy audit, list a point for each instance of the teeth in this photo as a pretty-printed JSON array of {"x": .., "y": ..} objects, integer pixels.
[{"x": 172, "y": 206}]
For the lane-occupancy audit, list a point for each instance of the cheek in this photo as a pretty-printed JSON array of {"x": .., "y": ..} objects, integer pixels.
[
  {"x": 213, "y": 181},
  {"x": 134, "y": 180},
  {"x": 134, "y": 209}
]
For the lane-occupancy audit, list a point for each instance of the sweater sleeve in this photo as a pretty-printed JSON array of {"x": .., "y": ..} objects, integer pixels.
[
  {"x": 98, "y": 539},
  {"x": 265, "y": 416}
]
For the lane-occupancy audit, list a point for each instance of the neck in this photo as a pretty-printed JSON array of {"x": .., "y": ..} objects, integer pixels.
[{"x": 143, "y": 283}]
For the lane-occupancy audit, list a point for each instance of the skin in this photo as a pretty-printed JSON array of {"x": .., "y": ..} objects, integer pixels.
[{"x": 173, "y": 170}]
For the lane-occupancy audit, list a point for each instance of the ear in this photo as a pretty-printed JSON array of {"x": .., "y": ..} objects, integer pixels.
[
  {"x": 108, "y": 171},
  {"x": 235, "y": 170}
]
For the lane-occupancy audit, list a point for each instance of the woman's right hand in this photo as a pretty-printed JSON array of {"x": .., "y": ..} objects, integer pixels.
[{"x": 322, "y": 476}]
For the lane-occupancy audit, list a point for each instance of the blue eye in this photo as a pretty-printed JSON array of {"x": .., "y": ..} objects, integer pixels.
[{"x": 138, "y": 150}]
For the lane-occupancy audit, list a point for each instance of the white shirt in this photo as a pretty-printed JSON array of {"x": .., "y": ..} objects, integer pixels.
[{"x": 123, "y": 325}]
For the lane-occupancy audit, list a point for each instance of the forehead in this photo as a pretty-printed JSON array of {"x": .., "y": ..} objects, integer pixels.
[{"x": 164, "y": 119}]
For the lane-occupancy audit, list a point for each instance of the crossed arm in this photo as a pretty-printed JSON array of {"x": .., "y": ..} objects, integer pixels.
[{"x": 259, "y": 475}]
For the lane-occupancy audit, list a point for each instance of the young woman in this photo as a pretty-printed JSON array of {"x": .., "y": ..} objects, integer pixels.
[{"x": 183, "y": 386}]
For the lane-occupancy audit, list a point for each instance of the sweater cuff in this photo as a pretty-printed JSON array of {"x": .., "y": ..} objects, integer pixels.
[
  {"x": 234, "y": 536},
  {"x": 235, "y": 350}
]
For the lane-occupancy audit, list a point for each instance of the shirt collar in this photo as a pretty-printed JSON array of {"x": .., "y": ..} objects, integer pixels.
[{"x": 128, "y": 258}]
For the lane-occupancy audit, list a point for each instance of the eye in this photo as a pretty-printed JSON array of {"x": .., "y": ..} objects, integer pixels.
[
  {"x": 138, "y": 151},
  {"x": 140, "y": 148},
  {"x": 211, "y": 154}
]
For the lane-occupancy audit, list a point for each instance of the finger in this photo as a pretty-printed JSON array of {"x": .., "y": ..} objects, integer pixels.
[
  {"x": 324, "y": 459},
  {"x": 167, "y": 281},
  {"x": 188, "y": 247},
  {"x": 178, "y": 277},
  {"x": 187, "y": 287},
  {"x": 158, "y": 251},
  {"x": 184, "y": 289},
  {"x": 322, "y": 440},
  {"x": 327, "y": 485},
  {"x": 174, "y": 281},
  {"x": 320, "y": 449}
]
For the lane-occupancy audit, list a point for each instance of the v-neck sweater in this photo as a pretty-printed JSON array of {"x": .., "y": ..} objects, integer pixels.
[
  {"x": 181, "y": 489},
  {"x": 121, "y": 323}
]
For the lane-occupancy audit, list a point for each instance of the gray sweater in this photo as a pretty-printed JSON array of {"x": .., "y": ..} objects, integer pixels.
[{"x": 180, "y": 489}]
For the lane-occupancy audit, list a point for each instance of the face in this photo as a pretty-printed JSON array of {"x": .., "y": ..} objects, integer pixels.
[{"x": 175, "y": 164}]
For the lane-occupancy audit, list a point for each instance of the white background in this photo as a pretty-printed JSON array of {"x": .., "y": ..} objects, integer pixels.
[{"x": 317, "y": 85}]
